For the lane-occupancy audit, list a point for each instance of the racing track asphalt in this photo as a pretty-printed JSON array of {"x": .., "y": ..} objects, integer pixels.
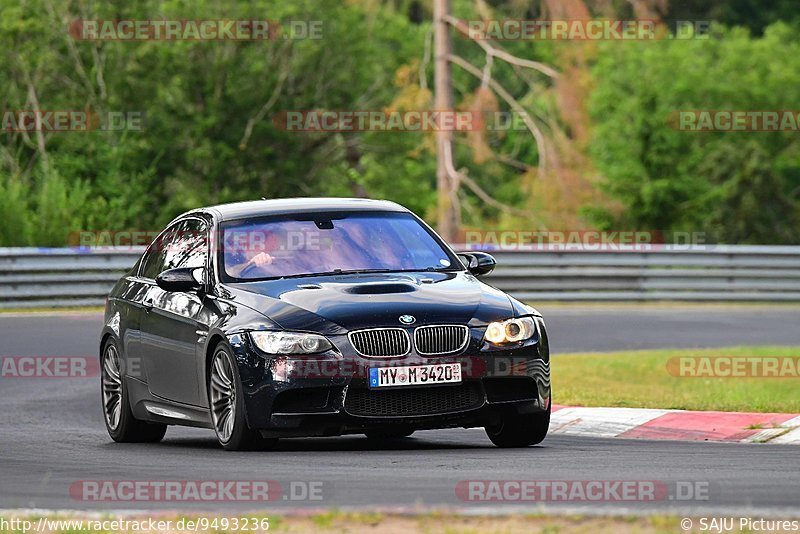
[{"x": 52, "y": 433}]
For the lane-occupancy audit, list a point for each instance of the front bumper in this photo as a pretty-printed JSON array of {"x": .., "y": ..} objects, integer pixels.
[{"x": 329, "y": 396}]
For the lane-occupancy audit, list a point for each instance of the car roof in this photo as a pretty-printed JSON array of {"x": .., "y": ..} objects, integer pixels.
[{"x": 280, "y": 206}]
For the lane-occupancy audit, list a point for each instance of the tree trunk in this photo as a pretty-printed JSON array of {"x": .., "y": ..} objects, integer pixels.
[{"x": 447, "y": 214}]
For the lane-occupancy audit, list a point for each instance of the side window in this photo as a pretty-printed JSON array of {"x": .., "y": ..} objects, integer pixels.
[
  {"x": 185, "y": 244},
  {"x": 155, "y": 257},
  {"x": 191, "y": 247}
]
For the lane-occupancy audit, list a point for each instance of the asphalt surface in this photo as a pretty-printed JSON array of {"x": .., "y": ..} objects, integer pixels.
[{"x": 53, "y": 437}]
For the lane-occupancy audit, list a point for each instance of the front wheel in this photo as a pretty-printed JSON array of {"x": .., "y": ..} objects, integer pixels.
[
  {"x": 122, "y": 426},
  {"x": 227, "y": 405},
  {"x": 520, "y": 430}
]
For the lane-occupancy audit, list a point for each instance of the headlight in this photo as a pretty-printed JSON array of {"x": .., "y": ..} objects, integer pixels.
[
  {"x": 510, "y": 331},
  {"x": 290, "y": 342}
]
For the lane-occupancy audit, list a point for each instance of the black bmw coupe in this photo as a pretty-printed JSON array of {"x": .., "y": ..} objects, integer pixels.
[{"x": 318, "y": 317}]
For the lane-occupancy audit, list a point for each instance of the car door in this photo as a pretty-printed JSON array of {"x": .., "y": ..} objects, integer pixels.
[
  {"x": 170, "y": 324},
  {"x": 137, "y": 293}
]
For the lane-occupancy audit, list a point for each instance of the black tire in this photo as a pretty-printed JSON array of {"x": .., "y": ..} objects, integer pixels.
[
  {"x": 239, "y": 437},
  {"x": 520, "y": 430},
  {"x": 388, "y": 434},
  {"x": 120, "y": 423}
]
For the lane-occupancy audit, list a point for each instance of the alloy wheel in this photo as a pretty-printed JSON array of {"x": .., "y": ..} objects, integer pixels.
[
  {"x": 112, "y": 387},
  {"x": 223, "y": 396}
]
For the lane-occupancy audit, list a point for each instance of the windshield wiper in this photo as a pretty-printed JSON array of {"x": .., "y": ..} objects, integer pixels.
[{"x": 335, "y": 272}]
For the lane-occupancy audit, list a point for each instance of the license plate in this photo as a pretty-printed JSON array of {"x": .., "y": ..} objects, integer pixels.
[{"x": 416, "y": 375}]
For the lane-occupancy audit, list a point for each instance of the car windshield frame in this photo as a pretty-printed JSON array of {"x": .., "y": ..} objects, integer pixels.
[{"x": 456, "y": 265}]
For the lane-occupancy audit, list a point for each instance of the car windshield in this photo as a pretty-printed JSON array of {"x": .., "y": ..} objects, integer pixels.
[{"x": 277, "y": 247}]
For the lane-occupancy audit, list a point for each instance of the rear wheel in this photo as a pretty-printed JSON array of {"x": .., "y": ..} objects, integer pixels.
[
  {"x": 520, "y": 430},
  {"x": 227, "y": 405},
  {"x": 122, "y": 426}
]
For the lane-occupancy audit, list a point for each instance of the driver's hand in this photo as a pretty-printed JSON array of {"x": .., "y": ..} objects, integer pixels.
[{"x": 262, "y": 258}]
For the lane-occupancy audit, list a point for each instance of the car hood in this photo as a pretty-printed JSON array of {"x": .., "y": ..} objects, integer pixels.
[{"x": 334, "y": 304}]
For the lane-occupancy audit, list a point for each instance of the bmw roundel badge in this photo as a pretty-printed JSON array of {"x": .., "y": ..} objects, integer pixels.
[{"x": 407, "y": 319}]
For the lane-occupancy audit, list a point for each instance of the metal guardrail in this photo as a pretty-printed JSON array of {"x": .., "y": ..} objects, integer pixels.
[
  {"x": 38, "y": 277},
  {"x": 59, "y": 277},
  {"x": 718, "y": 273}
]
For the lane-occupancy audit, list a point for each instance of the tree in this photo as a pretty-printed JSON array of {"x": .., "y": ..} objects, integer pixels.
[
  {"x": 739, "y": 187},
  {"x": 449, "y": 178}
]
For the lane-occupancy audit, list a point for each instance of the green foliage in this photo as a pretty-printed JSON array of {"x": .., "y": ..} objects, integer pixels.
[
  {"x": 16, "y": 215},
  {"x": 208, "y": 134},
  {"x": 740, "y": 187},
  {"x": 197, "y": 99},
  {"x": 753, "y": 14}
]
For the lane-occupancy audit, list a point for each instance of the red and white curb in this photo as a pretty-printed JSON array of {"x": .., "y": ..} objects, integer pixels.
[{"x": 681, "y": 425}]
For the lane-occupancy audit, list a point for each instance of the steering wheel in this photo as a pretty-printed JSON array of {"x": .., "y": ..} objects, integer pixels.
[{"x": 247, "y": 268}]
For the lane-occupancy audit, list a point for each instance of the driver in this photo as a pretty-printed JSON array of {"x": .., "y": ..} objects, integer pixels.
[{"x": 254, "y": 255}]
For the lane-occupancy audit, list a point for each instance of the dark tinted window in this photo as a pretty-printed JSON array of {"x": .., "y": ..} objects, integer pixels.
[
  {"x": 191, "y": 248},
  {"x": 282, "y": 246},
  {"x": 153, "y": 260},
  {"x": 184, "y": 244}
]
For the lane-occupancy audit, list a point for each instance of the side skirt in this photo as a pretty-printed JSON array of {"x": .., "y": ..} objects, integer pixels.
[{"x": 147, "y": 407}]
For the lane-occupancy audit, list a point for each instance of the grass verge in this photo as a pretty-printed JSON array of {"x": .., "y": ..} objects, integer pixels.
[{"x": 642, "y": 379}]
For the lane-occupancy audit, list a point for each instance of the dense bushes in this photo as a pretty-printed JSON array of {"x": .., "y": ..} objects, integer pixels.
[
  {"x": 739, "y": 187},
  {"x": 203, "y": 141}
]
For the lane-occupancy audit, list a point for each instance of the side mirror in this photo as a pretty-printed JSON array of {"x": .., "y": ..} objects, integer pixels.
[
  {"x": 181, "y": 279},
  {"x": 478, "y": 263}
]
